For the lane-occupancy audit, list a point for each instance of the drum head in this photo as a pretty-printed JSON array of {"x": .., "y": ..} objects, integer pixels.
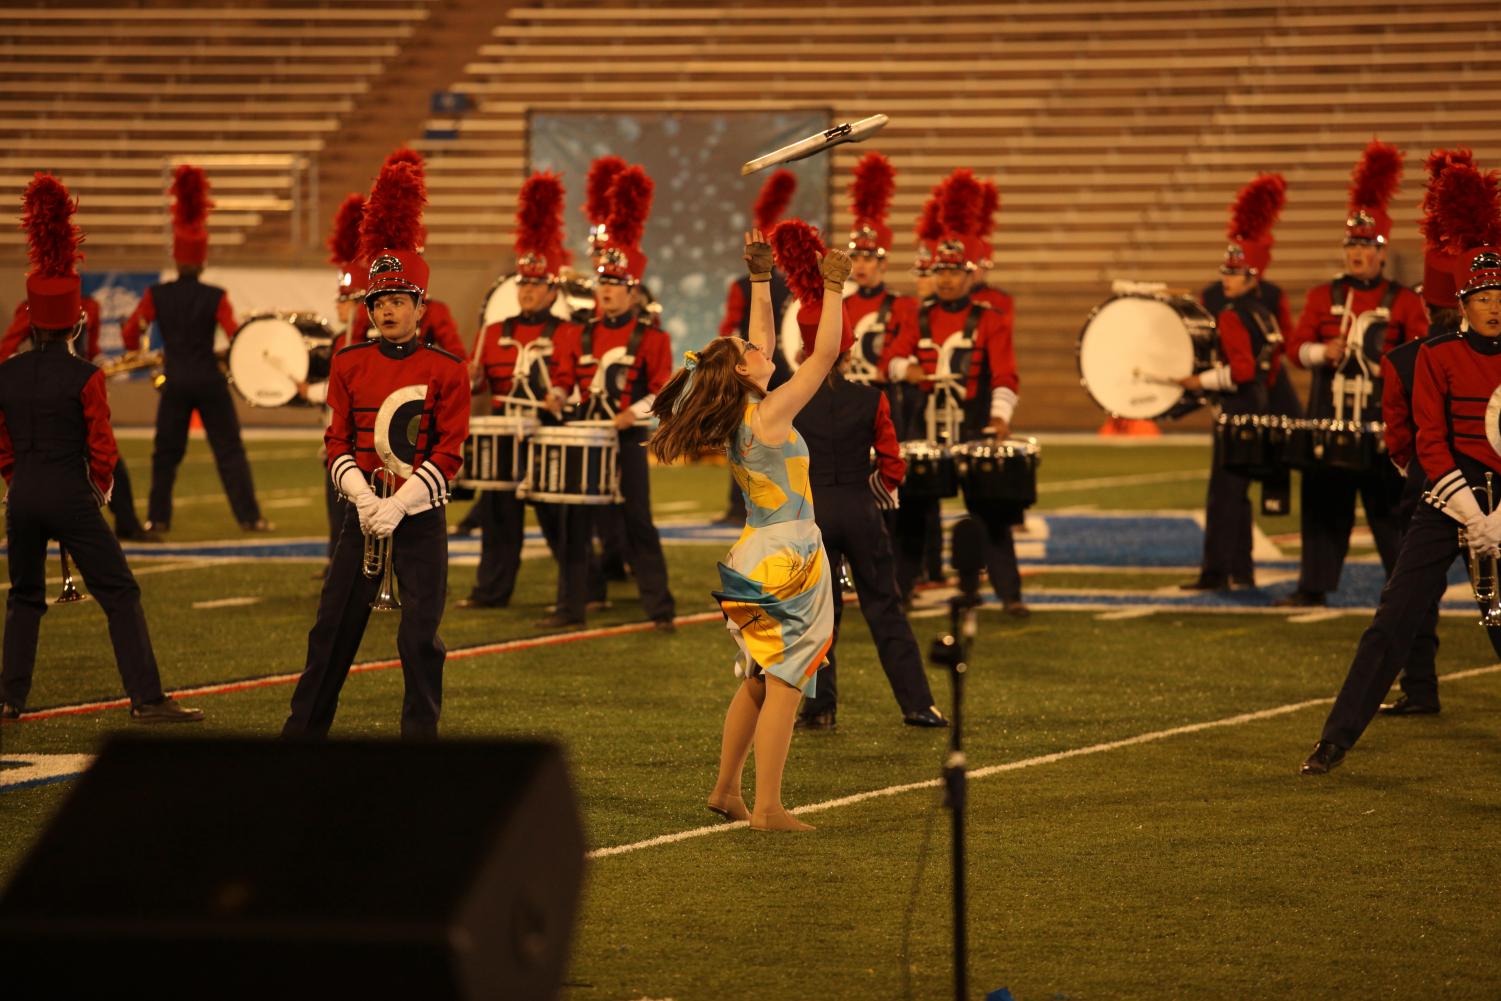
[
  {"x": 790, "y": 336},
  {"x": 1131, "y": 354},
  {"x": 267, "y": 359},
  {"x": 500, "y": 302}
]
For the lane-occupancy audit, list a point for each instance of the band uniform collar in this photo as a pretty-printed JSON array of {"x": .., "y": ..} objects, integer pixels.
[{"x": 404, "y": 350}]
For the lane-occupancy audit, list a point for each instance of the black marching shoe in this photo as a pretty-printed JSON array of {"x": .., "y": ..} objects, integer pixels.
[
  {"x": 815, "y": 721},
  {"x": 473, "y": 602},
  {"x": 1242, "y": 583},
  {"x": 1405, "y": 706},
  {"x": 664, "y": 624},
  {"x": 1326, "y": 757},
  {"x": 1016, "y": 609},
  {"x": 258, "y": 525},
  {"x": 1302, "y": 599},
  {"x": 164, "y": 710},
  {"x": 1205, "y": 582},
  {"x": 557, "y": 620},
  {"x": 158, "y": 528},
  {"x": 138, "y": 534},
  {"x": 929, "y": 717},
  {"x": 9, "y": 713}
]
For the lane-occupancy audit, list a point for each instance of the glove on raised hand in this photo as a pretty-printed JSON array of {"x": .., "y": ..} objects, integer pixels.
[
  {"x": 758, "y": 261},
  {"x": 835, "y": 268}
]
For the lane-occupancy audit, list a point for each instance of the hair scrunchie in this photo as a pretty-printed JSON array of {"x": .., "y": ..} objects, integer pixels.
[{"x": 690, "y": 365}]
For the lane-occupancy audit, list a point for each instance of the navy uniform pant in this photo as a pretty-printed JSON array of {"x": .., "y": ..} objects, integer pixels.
[
  {"x": 854, "y": 529},
  {"x": 1328, "y": 498},
  {"x": 122, "y": 503},
  {"x": 420, "y": 555},
  {"x": 643, "y": 543},
  {"x": 51, "y": 502},
  {"x": 1416, "y": 584},
  {"x": 502, "y": 520},
  {"x": 1419, "y": 678},
  {"x": 1227, "y": 522},
  {"x": 174, "y": 412},
  {"x": 567, "y": 529}
]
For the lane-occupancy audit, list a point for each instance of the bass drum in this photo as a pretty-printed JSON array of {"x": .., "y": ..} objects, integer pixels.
[
  {"x": 501, "y": 304},
  {"x": 273, "y": 352},
  {"x": 790, "y": 336},
  {"x": 1134, "y": 348}
]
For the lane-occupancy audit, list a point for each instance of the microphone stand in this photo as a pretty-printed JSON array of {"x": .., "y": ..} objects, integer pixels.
[{"x": 951, "y": 651}]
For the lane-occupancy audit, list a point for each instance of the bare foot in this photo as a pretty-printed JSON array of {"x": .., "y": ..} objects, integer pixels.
[
  {"x": 729, "y": 806},
  {"x": 777, "y": 820}
]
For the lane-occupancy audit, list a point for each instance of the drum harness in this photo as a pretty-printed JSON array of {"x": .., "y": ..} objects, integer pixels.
[
  {"x": 860, "y": 370},
  {"x": 927, "y": 356},
  {"x": 508, "y": 335},
  {"x": 1360, "y": 388},
  {"x": 1271, "y": 343},
  {"x": 599, "y": 394}
]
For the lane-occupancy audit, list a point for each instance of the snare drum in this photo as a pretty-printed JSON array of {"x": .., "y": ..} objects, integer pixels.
[
  {"x": 1328, "y": 444},
  {"x": 930, "y": 470},
  {"x": 575, "y": 463},
  {"x": 1253, "y": 445},
  {"x": 495, "y": 453},
  {"x": 1135, "y": 348},
  {"x": 1002, "y": 472},
  {"x": 273, "y": 352}
]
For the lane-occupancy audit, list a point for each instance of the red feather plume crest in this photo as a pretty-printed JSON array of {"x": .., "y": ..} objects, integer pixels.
[
  {"x": 190, "y": 201},
  {"x": 539, "y": 214},
  {"x": 990, "y": 204},
  {"x": 776, "y": 194},
  {"x": 796, "y": 248},
  {"x": 405, "y": 154},
  {"x": 52, "y": 238},
  {"x": 602, "y": 173},
  {"x": 393, "y": 213},
  {"x": 1256, "y": 208},
  {"x": 1376, "y": 176},
  {"x": 344, "y": 240},
  {"x": 871, "y": 188},
  {"x": 929, "y": 224},
  {"x": 959, "y": 205},
  {"x": 1467, "y": 206},
  {"x": 1429, "y": 223},
  {"x": 630, "y": 204}
]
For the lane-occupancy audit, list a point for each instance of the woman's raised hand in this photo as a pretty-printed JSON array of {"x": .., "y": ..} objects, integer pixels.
[
  {"x": 757, "y": 256},
  {"x": 835, "y": 268}
]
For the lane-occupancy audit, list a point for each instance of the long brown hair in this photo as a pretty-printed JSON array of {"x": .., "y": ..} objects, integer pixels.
[{"x": 708, "y": 416}]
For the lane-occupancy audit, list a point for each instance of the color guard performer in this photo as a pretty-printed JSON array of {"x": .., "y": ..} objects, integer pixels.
[
  {"x": 426, "y": 391},
  {"x": 128, "y": 527},
  {"x": 989, "y": 394},
  {"x": 1459, "y": 448},
  {"x": 647, "y": 365},
  {"x": 1251, "y": 317},
  {"x": 1345, "y": 328},
  {"x": 841, "y": 426},
  {"x": 57, "y": 455},
  {"x": 540, "y": 258},
  {"x": 188, "y": 314}
]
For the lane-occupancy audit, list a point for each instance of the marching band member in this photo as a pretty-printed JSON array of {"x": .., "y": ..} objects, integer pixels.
[
  {"x": 188, "y": 314},
  {"x": 775, "y": 582},
  {"x": 841, "y": 425},
  {"x": 776, "y": 194},
  {"x": 989, "y": 395},
  {"x": 1345, "y": 327},
  {"x": 648, "y": 357},
  {"x": 1250, "y": 317},
  {"x": 870, "y": 240},
  {"x": 57, "y": 455},
  {"x": 364, "y": 376},
  {"x": 128, "y": 527},
  {"x": 1458, "y": 449},
  {"x": 540, "y": 257}
]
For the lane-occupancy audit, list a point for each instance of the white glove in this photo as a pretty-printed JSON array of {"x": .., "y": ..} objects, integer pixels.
[
  {"x": 425, "y": 489},
  {"x": 1490, "y": 534},
  {"x": 356, "y": 490},
  {"x": 383, "y": 521},
  {"x": 1483, "y": 532}
]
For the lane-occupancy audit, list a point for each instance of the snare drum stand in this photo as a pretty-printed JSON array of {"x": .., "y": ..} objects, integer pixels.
[{"x": 952, "y": 651}]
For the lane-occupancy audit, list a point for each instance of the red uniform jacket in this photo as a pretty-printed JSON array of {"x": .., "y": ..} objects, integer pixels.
[
  {"x": 1454, "y": 380},
  {"x": 890, "y": 466},
  {"x": 1320, "y": 324},
  {"x": 498, "y": 355},
  {"x": 1400, "y": 430},
  {"x": 993, "y": 348},
  {"x": 648, "y": 373},
  {"x": 440, "y": 329},
  {"x": 364, "y": 375},
  {"x": 20, "y": 329}
]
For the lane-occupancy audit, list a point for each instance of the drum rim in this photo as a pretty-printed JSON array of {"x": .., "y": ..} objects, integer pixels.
[
  {"x": 1079, "y": 351},
  {"x": 236, "y": 342},
  {"x": 563, "y": 434},
  {"x": 496, "y": 422}
]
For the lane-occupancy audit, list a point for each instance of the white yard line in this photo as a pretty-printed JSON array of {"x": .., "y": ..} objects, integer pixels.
[
  {"x": 1138, "y": 612},
  {"x": 1010, "y": 766},
  {"x": 1135, "y": 480},
  {"x": 228, "y": 602}
]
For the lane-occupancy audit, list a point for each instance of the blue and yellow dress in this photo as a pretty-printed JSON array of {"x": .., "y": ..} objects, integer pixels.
[{"x": 775, "y": 590}]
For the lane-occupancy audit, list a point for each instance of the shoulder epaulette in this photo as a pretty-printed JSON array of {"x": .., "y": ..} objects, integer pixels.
[
  {"x": 355, "y": 347},
  {"x": 444, "y": 352}
]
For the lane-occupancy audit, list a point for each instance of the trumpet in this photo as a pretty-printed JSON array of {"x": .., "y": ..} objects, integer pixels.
[
  {"x": 1482, "y": 570},
  {"x": 377, "y": 560},
  {"x": 70, "y": 592},
  {"x": 131, "y": 362}
]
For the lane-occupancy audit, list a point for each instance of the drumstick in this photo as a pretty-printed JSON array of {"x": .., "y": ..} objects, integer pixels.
[
  {"x": 516, "y": 400},
  {"x": 276, "y": 363}
]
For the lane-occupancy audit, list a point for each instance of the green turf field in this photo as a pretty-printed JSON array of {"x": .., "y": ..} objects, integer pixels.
[{"x": 1115, "y": 850}]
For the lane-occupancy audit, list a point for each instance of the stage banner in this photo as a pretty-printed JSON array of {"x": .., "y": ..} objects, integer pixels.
[{"x": 702, "y": 205}]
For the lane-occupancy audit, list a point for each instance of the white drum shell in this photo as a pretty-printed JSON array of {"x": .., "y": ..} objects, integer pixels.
[
  {"x": 1135, "y": 348},
  {"x": 484, "y": 452}
]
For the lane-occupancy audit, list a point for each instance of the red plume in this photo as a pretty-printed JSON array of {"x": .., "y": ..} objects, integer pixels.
[
  {"x": 776, "y": 195},
  {"x": 47, "y": 218},
  {"x": 597, "y": 188},
  {"x": 1257, "y": 207},
  {"x": 405, "y": 154},
  {"x": 1468, "y": 208},
  {"x": 871, "y": 189},
  {"x": 630, "y": 204},
  {"x": 1429, "y": 224},
  {"x": 393, "y": 213},
  {"x": 1376, "y": 176},
  {"x": 344, "y": 241},
  {"x": 190, "y": 202},
  {"x": 990, "y": 204},
  {"x": 959, "y": 204},
  {"x": 539, "y": 214},
  {"x": 929, "y": 225},
  {"x": 796, "y": 247}
]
